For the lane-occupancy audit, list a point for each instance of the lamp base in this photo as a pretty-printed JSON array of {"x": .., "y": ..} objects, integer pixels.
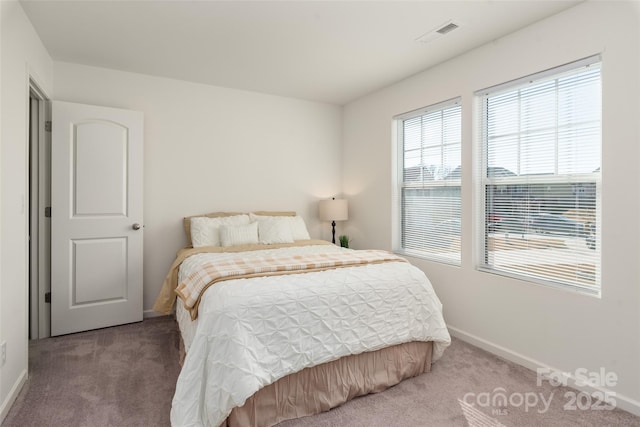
[{"x": 333, "y": 232}]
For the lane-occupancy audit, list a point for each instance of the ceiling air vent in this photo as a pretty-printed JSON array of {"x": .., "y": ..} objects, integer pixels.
[
  {"x": 447, "y": 28},
  {"x": 438, "y": 32}
]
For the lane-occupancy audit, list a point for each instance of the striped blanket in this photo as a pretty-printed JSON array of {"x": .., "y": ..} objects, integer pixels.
[{"x": 192, "y": 288}]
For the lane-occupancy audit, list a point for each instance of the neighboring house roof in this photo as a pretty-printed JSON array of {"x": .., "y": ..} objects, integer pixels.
[{"x": 491, "y": 172}]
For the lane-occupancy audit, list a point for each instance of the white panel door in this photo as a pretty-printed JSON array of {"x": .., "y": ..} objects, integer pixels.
[{"x": 96, "y": 218}]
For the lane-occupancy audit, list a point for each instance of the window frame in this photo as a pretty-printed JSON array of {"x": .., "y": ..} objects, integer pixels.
[
  {"x": 400, "y": 184},
  {"x": 483, "y": 181}
]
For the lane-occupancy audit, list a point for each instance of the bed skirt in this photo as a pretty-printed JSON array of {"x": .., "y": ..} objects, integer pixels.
[{"x": 320, "y": 388}]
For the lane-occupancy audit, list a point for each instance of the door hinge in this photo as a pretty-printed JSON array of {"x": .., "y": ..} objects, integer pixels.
[
  {"x": 47, "y": 126},
  {"x": 47, "y": 212},
  {"x": 47, "y": 297}
]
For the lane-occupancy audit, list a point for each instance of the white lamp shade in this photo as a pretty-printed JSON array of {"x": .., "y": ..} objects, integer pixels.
[{"x": 334, "y": 210}]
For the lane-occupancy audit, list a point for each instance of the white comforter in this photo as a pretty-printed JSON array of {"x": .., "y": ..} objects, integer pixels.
[{"x": 251, "y": 332}]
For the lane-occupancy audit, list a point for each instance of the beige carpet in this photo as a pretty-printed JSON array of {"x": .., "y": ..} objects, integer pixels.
[
  {"x": 120, "y": 376},
  {"x": 125, "y": 376}
]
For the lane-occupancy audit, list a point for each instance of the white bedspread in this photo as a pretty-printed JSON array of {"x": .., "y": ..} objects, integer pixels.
[{"x": 252, "y": 332}]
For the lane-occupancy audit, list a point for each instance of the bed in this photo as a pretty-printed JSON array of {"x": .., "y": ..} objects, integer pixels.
[{"x": 276, "y": 325}]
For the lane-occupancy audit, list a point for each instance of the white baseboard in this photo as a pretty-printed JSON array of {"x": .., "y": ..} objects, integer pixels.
[
  {"x": 13, "y": 394},
  {"x": 623, "y": 402}
]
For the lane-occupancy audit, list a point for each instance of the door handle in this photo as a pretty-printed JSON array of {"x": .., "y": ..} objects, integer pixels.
[{"x": 136, "y": 226}]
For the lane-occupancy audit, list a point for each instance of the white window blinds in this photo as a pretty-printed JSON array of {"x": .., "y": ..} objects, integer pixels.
[
  {"x": 540, "y": 176},
  {"x": 429, "y": 185}
]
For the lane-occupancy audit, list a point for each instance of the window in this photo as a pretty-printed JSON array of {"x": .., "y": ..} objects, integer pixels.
[
  {"x": 429, "y": 143},
  {"x": 540, "y": 183}
]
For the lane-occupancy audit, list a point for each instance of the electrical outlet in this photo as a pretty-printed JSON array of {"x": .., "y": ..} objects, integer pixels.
[{"x": 3, "y": 350}]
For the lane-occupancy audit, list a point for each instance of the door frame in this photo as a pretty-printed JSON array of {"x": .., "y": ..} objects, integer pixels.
[{"x": 39, "y": 187}]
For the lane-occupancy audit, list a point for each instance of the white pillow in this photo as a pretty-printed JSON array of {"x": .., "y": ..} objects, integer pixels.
[
  {"x": 299, "y": 229},
  {"x": 232, "y": 235},
  {"x": 271, "y": 230},
  {"x": 205, "y": 230},
  {"x": 295, "y": 223}
]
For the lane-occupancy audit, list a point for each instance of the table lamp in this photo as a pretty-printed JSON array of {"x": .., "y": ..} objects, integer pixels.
[{"x": 333, "y": 210}]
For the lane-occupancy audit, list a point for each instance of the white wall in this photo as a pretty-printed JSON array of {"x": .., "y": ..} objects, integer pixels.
[
  {"x": 21, "y": 54},
  {"x": 215, "y": 149},
  {"x": 532, "y": 324}
]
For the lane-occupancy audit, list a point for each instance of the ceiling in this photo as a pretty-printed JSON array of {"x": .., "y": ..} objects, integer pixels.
[{"x": 326, "y": 51}]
